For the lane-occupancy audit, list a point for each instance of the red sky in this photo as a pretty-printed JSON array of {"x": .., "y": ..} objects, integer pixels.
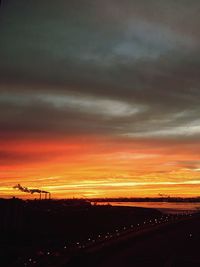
[{"x": 100, "y": 167}]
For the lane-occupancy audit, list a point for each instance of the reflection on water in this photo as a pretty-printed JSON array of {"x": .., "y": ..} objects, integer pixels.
[{"x": 167, "y": 207}]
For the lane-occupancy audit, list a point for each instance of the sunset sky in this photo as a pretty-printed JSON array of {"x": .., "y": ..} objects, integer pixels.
[{"x": 100, "y": 98}]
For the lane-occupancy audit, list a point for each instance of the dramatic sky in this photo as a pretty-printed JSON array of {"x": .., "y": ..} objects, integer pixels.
[{"x": 100, "y": 98}]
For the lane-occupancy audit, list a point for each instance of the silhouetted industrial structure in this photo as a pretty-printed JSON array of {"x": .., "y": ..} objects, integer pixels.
[{"x": 47, "y": 195}]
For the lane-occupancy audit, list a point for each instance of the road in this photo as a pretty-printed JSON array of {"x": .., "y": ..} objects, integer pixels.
[{"x": 172, "y": 245}]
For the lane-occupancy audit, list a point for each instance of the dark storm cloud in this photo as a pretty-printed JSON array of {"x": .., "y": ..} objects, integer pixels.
[{"x": 126, "y": 68}]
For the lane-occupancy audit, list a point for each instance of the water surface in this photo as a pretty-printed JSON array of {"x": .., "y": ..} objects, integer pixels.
[{"x": 167, "y": 207}]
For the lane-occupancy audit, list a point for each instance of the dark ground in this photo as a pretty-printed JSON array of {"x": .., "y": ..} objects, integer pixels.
[
  {"x": 172, "y": 245},
  {"x": 32, "y": 228},
  {"x": 61, "y": 234}
]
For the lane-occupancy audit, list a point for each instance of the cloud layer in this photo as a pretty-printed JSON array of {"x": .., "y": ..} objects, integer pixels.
[{"x": 119, "y": 70}]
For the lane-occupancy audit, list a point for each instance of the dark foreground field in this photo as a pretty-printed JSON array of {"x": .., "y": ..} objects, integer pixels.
[
  {"x": 42, "y": 232},
  {"x": 175, "y": 244},
  {"x": 74, "y": 233}
]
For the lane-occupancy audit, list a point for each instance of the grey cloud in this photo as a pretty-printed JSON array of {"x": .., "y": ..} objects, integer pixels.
[
  {"x": 132, "y": 58},
  {"x": 68, "y": 114}
]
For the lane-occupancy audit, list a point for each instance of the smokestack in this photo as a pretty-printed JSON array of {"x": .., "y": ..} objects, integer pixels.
[{"x": 31, "y": 191}]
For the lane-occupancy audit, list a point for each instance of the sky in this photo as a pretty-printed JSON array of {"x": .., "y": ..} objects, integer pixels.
[{"x": 100, "y": 98}]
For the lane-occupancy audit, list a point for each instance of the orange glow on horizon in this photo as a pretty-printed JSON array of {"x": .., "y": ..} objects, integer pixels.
[{"x": 100, "y": 167}]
